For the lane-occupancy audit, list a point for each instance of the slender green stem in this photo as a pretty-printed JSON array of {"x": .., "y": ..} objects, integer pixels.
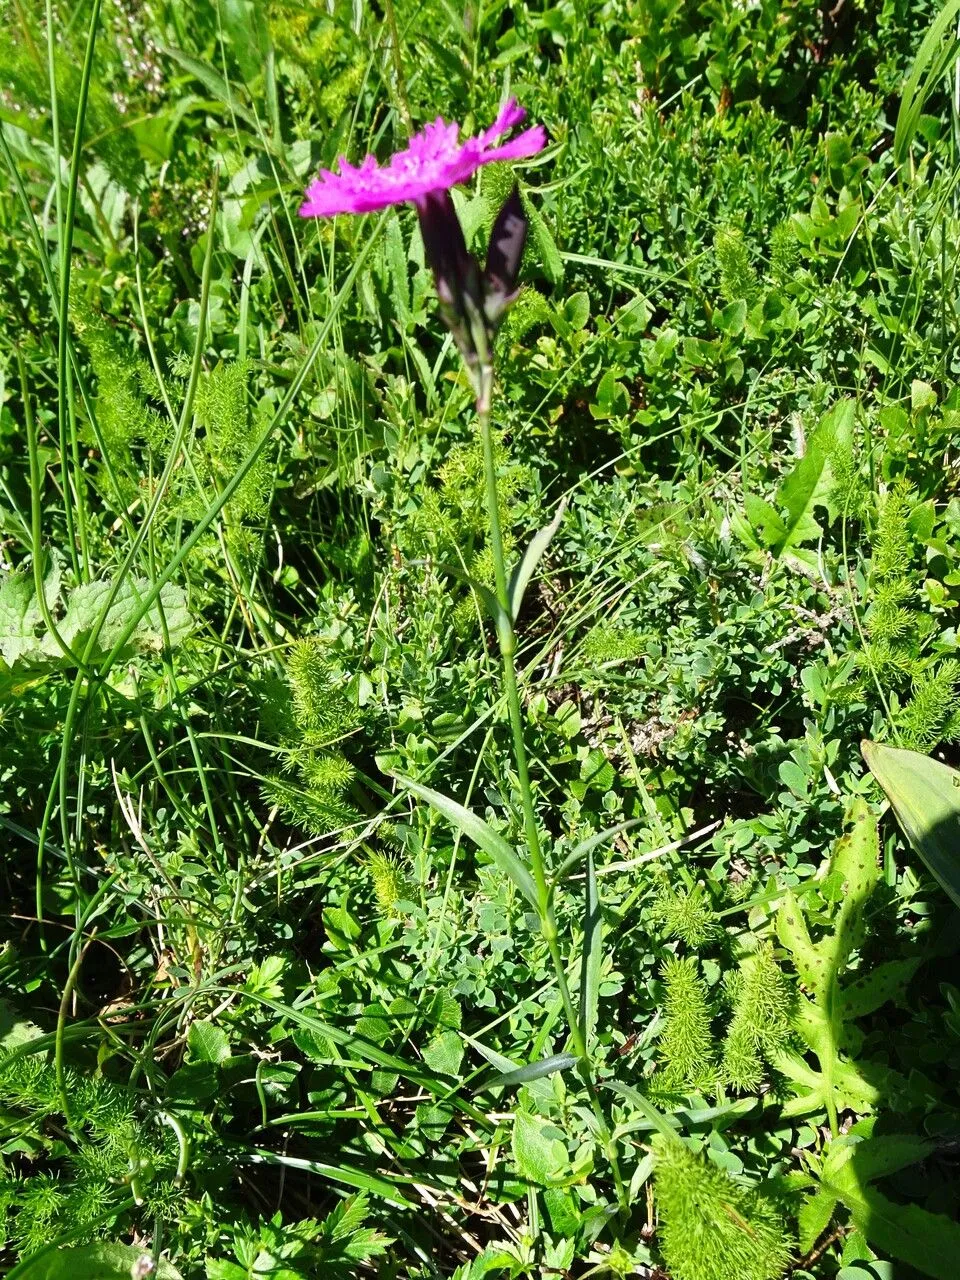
[
  {"x": 508, "y": 648},
  {"x": 36, "y": 514},
  {"x": 64, "y": 418},
  {"x": 59, "y": 1067}
]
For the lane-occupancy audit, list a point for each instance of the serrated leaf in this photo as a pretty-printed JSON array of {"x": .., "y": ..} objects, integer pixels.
[
  {"x": 539, "y": 1157},
  {"x": 814, "y": 1218},
  {"x": 20, "y": 615},
  {"x": 444, "y": 1053},
  {"x": 482, "y": 834},
  {"x": 445, "y": 1011},
  {"x": 925, "y": 796},
  {"x": 86, "y": 603}
]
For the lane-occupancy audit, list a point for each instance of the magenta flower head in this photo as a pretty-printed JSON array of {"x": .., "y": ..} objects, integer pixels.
[
  {"x": 472, "y": 301},
  {"x": 435, "y": 161}
]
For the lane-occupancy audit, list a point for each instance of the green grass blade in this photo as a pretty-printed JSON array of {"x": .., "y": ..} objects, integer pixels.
[
  {"x": 482, "y": 834},
  {"x": 933, "y": 58},
  {"x": 592, "y": 959}
]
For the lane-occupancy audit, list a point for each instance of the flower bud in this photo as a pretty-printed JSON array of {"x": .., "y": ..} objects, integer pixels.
[{"x": 504, "y": 255}]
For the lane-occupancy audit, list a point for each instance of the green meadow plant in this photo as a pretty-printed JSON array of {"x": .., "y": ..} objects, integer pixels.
[
  {"x": 473, "y": 303},
  {"x": 436, "y": 835}
]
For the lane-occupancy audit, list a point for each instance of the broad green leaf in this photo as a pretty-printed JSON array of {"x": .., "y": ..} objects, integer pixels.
[
  {"x": 85, "y": 604},
  {"x": 875, "y": 1270},
  {"x": 21, "y": 619},
  {"x": 78, "y": 612},
  {"x": 482, "y": 834},
  {"x": 793, "y": 933},
  {"x": 765, "y": 519},
  {"x": 925, "y": 796},
  {"x": 222, "y": 1269},
  {"x": 524, "y": 571},
  {"x": 842, "y": 1084},
  {"x": 207, "y": 1043},
  {"x": 788, "y": 522},
  {"x": 798, "y": 495},
  {"x": 15, "y": 1029},
  {"x": 928, "y": 1241},
  {"x": 877, "y": 1157},
  {"x": 540, "y": 1157},
  {"x": 444, "y": 1053},
  {"x": 101, "y": 1261},
  {"x": 886, "y": 982},
  {"x": 853, "y": 874}
]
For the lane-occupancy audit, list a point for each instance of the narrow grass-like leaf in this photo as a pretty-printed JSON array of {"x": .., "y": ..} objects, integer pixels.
[
  {"x": 524, "y": 571},
  {"x": 933, "y": 58},
  {"x": 580, "y": 851},
  {"x": 646, "y": 1108},
  {"x": 592, "y": 959},
  {"x": 339, "y": 1172},
  {"x": 487, "y": 597},
  {"x": 925, "y": 796},
  {"x": 214, "y": 84},
  {"x": 482, "y": 834},
  {"x": 533, "y": 1071}
]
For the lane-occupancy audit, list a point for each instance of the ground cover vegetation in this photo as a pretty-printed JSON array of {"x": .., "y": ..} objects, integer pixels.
[{"x": 284, "y": 992}]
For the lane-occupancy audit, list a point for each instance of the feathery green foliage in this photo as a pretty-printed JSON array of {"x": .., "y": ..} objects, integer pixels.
[
  {"x": 711, "y": 1228},
  {"x": 686, "y": 1048},
  {"x": 762, "y": 1000}
]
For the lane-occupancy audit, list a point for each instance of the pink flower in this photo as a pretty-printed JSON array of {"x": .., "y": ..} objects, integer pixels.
[{"x": 434, "y": 161}]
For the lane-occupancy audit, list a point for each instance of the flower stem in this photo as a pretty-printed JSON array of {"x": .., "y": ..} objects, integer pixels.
[{"x": 507, "y": 640}]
